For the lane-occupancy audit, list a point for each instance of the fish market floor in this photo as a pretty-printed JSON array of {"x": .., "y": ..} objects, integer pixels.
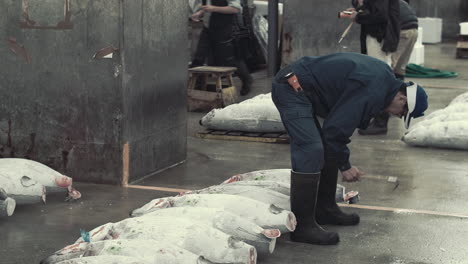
[{"x": 420, "y": 220}]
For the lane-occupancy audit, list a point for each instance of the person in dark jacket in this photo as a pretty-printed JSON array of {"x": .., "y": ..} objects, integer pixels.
[
  {"x": 380, "y": 27},
  {"x": 347, "y": 90},
  {"x": 217, "y": 38},
  {"x": 408, "y": 36}
]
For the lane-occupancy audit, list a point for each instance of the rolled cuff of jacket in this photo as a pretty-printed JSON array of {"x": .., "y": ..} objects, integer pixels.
[{"x": 345, "y": 166}]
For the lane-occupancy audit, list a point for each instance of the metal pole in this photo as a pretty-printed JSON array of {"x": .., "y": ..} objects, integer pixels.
[{"x": 272, "y": 37}]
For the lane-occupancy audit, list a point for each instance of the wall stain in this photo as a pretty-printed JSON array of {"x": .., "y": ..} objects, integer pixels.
[
  {"x": 9, "y": 144},
  {"x": 30, "y": 152},
  {"x": 65, "y": 159}
]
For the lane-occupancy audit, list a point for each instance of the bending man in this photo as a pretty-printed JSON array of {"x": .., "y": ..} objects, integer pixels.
[{"x": 347, "y": 89}]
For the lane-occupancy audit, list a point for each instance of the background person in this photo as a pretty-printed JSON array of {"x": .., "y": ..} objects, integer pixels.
[
  {"x": 408, "y": 37},
  {"x": 217, "y": 40}
]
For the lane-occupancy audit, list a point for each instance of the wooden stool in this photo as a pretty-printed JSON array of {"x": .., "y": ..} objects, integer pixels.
[
  {"x": 462, "y": 47},
  {"x": 200, "y": 98}
]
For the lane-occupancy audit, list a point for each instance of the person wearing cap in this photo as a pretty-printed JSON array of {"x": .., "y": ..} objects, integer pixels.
[{"x": 347, "y": 90}]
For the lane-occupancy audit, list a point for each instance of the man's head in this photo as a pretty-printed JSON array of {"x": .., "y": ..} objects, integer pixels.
[{"x": 409, "y": 103}]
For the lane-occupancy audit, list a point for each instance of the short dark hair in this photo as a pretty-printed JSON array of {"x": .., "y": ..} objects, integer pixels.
[{"x": 403, "y": 89}]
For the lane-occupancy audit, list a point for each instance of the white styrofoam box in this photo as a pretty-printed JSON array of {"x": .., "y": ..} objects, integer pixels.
[
  {"x": 464, "y": 28},
  {"x": 417, "y": 55},
  {"x": 420, "y": 36},
  {"x": 262, "y": 8},
  {"x": 432, "y": 29}
]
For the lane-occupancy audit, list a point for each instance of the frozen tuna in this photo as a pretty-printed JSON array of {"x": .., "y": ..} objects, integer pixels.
[
  {"x": 275, "y": 175},
  {"x": 443, "y": 128},
  {"x": 152, "y": 251},
  {"x": 254, "y": 192},
  {"x": 105, "y": 260},
  {"x": 452, "y": 134},
  {"x": 23, "y": 190},
  {"x": 280, "y": 187},
  {"x": 77, "y": 249},
  {"x": 195, "y": 237},
  {"x": 264, "y": 215},
  {"x": 263, "y": 240},
  {"x": 97, "y": 234},
  {"x": 51, "y": 179},
  {"x": 257, "y": 114}
]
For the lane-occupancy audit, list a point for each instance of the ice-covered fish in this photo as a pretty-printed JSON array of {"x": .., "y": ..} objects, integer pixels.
[
  {"x": 280, "y": 187},
  {"x": 443, "y": 128},
  {"x": 51, "y": 179},
  {"x": 152, "y": 251},
  {"x": 97, "y": 234},
  {"x": 105, "y": 260},
  {"x": 7, "y": 204},
  {"x": 254, "y": 192},
  {"x": 275, "y": 175},
  {"x": 263, "y": 240},
  {"x": 77, "y": 249},
  {"x": 23, "y": 190},
  {"x": 451, "y": 134},
  {"x": 264, "y": 215},
  {"x": 195, "y": 237},
  {"x": 440, "y": 117},
  {"x": 257, "y": 114}
]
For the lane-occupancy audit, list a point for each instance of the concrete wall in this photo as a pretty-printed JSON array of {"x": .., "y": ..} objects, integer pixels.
[
  {"x": 74, "y": 113},
  {"x": 155, "y": 76}
]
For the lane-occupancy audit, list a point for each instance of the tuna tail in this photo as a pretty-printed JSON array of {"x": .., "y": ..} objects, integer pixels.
[
  {"x": 73, "y": 194},
  {"x": 43, "y": 197},
  {"x": 271, "y": 233}
]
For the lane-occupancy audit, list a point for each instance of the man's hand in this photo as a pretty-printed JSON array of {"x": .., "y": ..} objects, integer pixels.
[
  {"x": 352, "y": 175},
  {"x": 209, "y": 8},
  {"x": 197, "y": 16},
  {"x": 351, "y": 16}
]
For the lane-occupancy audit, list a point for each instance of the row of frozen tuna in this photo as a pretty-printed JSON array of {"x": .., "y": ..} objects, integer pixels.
[
  {"x": 444, "y": 128},
  {"x": 25, "y": 181},
  {"x": 233, "y": 222}
]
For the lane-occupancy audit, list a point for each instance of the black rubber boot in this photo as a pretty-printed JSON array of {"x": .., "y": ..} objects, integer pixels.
[
  {"x": 378, "y": 126},
  {"x": 327, "y": 211},
  {"x": 244, "y": 75},
  {"x": 304, "y": 188}
]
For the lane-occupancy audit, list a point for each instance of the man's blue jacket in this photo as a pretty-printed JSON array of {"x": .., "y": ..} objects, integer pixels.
[{"x": 347, "y": 89}]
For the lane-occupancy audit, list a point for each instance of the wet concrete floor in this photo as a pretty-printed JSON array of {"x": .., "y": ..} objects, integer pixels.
[{"x": 432, "y": 186}]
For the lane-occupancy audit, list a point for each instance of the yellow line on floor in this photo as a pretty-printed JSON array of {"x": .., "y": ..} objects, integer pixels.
[
  {"x": 154, "y": 188},
  {"x": 401, "y": 210},
  {"x": 367, "y": 207}
]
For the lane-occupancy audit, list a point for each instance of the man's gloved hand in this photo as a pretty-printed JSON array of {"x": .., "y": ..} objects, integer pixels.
[{"x": 352, "y": 175}]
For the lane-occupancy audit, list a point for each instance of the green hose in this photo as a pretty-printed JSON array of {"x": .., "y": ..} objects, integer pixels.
[{"x": 417, "y": 71}]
